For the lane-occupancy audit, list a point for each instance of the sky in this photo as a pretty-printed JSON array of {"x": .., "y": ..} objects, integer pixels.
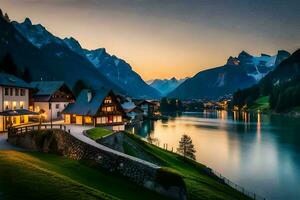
[{"x": 168, "y": 38}]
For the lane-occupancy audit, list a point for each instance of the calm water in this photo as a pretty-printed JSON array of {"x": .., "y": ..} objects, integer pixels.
[{"x": 258, "y": 152}]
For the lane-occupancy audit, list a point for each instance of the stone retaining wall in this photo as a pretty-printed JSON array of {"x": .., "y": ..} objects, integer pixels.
[{"x": 63, "y": 143}]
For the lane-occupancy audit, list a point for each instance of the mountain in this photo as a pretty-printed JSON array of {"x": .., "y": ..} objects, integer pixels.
[
  {"x": 164, "y": 86},
  {"x": 111, "y": 67},
  {"x": 49, "y": 62},
  {"x": 238, "y": 73},
  {"x": 282, "y": 85}
]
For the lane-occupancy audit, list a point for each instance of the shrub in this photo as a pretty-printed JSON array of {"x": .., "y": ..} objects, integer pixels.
[{"x": 168, "y": 177}]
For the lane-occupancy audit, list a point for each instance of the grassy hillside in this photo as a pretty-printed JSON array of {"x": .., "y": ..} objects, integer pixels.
[
  {"x": 261, "y": 104},
  {"x": 47, "y": 176},
  {"x": 97, "y": 132},
  {"x": 199, "y": 185}
]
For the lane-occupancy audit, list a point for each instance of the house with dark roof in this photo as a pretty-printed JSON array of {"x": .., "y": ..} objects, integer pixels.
[
  {"x": 14, "y": 100},
  {"x": 133, "y": 112},
  {"x": 147, "y": 106},
  {"x": 50, "y": 98},
  {"x": 97, "y": 108}
]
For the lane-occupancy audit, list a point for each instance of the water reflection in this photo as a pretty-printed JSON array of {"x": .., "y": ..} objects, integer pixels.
[{"x": 260, "y": 152}]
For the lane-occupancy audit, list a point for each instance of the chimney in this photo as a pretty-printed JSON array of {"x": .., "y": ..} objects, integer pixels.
[{"x": 89, "y": 95}]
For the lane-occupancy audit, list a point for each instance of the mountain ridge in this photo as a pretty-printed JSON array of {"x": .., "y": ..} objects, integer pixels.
[
  {"x": 49, "y": 62},
  {"x": 113, "y": 68},
  {"x": 165, "y": 86},
  {"x": 239, "y": 72}
]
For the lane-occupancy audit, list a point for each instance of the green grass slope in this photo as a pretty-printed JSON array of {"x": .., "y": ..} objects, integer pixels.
[
  {"x": 47, "y": 176},
  {"x": 96, "y": 133},
  {"x": 261, "y": 104},
  {"x": 199, "y": 184}
]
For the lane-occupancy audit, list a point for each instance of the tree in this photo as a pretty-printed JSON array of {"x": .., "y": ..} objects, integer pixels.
[
  {"x": 26, "y": 76},
  {"x": 186, "y": 147},
  {"x": 7, "y": 65},
  {"x": 164, "y": 104},
  {"x": 79, "y": 85}
]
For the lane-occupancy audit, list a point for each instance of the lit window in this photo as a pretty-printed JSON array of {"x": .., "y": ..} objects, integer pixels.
[
  {"x": 6, "y": 105},
  {"x": 108, "y": 100},
  {"x": 22, "y": 120},
  {"x": 37, "y": 109},
  {"x": 101, "y": 120},
  {"x": 117, "y": 118},
  {"x": 21, "y": 104},
  {"x": 14, "y": 105}
]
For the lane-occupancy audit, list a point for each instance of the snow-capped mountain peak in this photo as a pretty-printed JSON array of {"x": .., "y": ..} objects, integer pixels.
[{"x": 164, "y": 86}]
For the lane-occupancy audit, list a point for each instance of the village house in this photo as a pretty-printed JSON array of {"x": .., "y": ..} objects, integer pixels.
[
  {"x": 133, "y": 112},
  {"x": 50, "y": 98},
  {"x": 147, "y": 107},
  {"x": 14, "y": 99},
  {"x": 97, "y": 108}
]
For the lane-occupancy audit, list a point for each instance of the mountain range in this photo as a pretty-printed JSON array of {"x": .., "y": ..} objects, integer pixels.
[
  {"x": 49, "y": 57},
  {"x": 110, "y": 70},
  {"x": 49, "y": 62},
  {"x": 282, "y": 86},
  {"x": 239, "y": 72},
  {"x": 164, "y": 86}
]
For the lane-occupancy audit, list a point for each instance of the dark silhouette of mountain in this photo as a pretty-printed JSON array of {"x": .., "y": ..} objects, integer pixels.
[
  {"x": 49, "y": 62},
  {"x": 112, "y": 68},
  {"x": 238, "y": 73},
  {"x": 213, "y": 83}
]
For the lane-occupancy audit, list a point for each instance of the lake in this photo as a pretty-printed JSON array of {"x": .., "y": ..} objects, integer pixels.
[{"x": 258, "y": 152}]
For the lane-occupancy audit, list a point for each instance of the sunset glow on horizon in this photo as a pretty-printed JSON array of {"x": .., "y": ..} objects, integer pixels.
[{"x": 162, "y": 39}]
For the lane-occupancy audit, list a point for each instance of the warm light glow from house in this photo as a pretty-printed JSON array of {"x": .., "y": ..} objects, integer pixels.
[
  {"x": 6, "y": 105},
  {"x": 21, "y": 104},
  {"x": 14, "y": 105}
]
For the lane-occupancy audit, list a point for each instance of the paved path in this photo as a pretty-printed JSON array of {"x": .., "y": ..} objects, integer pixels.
[
  {"x": 77, "y": 132},
  {"x": 4, "y": 145}
]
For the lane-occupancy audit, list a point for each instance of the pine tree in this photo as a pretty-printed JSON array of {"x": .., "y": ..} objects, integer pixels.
[
  {"x": 79, "y": 85},
  {"x": 186, "y": 147},
  {"x": 26, "y": 76},
  {"x": 7, "y": 65}
]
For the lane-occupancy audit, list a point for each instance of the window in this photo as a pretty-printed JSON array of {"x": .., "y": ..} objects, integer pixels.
[
  {"x": 14, "y": 105},
  {"x": 22, "y": 92},
  {"x": 17, "y": 91},
  {"x": 117, "y": 118},
  {"x": 108, "y": 100},
  {"x": 57, "y": 106},
  {"x": 6, "y": 91},
  {"x": 22, "y": 120},
  {"x": 10, "y": 91},
  {"x": 88, "y": 120},
  {"x": 21, "y": 104},
  {"x": 101, "y": 120},
  {"x": 108, "y": 109},
  {"x": 6, "y": 105}
]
